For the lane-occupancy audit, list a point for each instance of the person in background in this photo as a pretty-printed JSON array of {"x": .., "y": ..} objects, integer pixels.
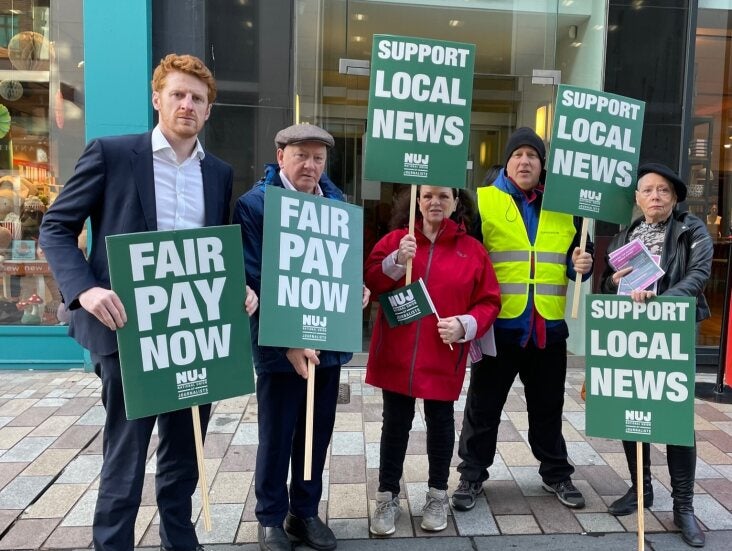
[
  {"x": 494, "y": 171},
  {"x": 535, "y": 253},
  {"x": 159, "y": 180},
  {"x": 427, "y": 358},
  {"x": 302, "y": 151},
  {"x": 686, "y": 251},
  {"x": 713, "y": 215}
]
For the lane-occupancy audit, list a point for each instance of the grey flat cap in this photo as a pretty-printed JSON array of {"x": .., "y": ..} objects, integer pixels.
[{"x": 298, "y": 133}]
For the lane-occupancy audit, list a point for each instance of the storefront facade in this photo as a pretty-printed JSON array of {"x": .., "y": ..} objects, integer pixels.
[{"x": 281, "y": 61}]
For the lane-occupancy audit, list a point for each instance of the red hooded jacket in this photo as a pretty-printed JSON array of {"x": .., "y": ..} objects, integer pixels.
[{"x": 412, "y": 359}]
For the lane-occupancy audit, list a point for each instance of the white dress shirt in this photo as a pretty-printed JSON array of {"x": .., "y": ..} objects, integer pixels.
[
  {"x": 288, "y": 185},
  {"x": 178, "y": 187}
]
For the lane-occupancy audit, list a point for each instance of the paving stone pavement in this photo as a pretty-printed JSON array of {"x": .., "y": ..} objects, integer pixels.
[{"x": 50, "y": 456}]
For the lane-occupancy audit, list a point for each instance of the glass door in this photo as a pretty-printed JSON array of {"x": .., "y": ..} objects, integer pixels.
[{"x": 333, "y": 41}]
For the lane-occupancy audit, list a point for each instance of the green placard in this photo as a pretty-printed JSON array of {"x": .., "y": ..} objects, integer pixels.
[
  {"x": 596, "y": 140},
  {"x": 640, "y": 369},
  {"x": 312, "y": 272},
  {"x": 186, "y": 340},
  {"x": 407, "y": 304},
  {"x": 419, "y": 111}
]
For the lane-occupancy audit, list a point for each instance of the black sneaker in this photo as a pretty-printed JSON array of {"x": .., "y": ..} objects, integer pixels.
[
  {"x": 463, "y": 499},
  {"x": 566, "y": 493}
]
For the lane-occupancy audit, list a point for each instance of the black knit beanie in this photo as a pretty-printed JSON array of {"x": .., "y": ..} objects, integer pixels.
[{"x": 525, "y": 136}]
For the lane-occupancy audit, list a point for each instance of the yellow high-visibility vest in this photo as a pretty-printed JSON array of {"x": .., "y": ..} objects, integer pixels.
[{"x": 507, "y": 242}]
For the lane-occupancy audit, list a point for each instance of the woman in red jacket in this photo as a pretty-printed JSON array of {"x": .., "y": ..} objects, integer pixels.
[{"x": 416, "y": 360}]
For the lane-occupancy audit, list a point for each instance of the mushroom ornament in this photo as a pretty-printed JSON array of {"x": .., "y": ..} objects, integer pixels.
[{"x": 33, "y": 310}]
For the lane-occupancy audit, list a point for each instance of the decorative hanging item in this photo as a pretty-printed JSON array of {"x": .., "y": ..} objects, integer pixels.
[
  {"x": 4, "y": 120},
  {"x": 28, "y": 51},
  {"x": 11, "y": 90}
]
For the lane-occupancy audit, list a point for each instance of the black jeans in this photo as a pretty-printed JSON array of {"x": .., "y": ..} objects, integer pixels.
[
  {"x": 398, "y": 414},
  {"x": 542, "y": 371}
]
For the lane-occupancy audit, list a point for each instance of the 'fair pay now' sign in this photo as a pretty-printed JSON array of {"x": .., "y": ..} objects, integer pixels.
[
  {"x": 186, "y": 341},
  {"x": 312, "y": 272}
]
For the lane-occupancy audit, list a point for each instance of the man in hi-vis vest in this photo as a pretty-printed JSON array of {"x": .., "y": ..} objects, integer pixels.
[{"x": 535, "y": 254}]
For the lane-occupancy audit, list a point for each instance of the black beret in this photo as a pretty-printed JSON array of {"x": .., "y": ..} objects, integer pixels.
[
  {"x": 298, "y": 133},
  {"x": 666, "y": 172},
  {"x": 525, "y": 136}
]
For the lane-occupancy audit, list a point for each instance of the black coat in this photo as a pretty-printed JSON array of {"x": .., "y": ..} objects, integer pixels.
[{"x": 686, "y": 259}]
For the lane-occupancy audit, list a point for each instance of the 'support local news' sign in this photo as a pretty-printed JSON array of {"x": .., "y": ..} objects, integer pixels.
[
  {"x": 640, "y": 369},
  {"x": 312, "y": 272},
  {"x": 186, "y": 340},
  {"x": 596, "y": 141},
  {"x": 419, "y": 111}
]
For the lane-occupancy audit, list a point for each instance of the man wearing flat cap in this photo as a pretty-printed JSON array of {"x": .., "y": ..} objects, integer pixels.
[
  {"x": 534, "y": 253},
  {"x": 281, "y": 373},
  {"x": 685, "y": 247}
]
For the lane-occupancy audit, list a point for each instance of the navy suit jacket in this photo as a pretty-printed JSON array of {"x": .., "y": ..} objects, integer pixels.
[{"x": 113, "y": 185}]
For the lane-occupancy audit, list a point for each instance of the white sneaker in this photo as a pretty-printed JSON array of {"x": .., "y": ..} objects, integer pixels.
[
  {"x": 434, "y": 514},
  {"x": 383, "y": 521}
]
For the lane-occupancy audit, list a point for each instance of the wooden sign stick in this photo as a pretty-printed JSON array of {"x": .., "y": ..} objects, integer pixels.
[
  {"x": 578, "y": 280},
  {"x": 412, "y": 209},
  {"x": 309, "y": 408},
  {"x": 639, "y": 492},
  {"x": 201, "y": 468}
]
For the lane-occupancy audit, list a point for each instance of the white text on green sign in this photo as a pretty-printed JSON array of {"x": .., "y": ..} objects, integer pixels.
[
  {"x": 182, "y": 303},
  {"x": 310, "y": 254},
  {"x": 638, "y": 345}
]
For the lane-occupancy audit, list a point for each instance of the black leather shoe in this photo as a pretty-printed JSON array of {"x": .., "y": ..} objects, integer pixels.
[
  {"x": 273, "y": 538},
  {"x": 311, "y": 531},
  {"x": 691, "y": 532},
  {"x": 629, "y": 503}
]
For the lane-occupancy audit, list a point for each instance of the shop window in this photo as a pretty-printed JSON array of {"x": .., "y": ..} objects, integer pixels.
[{"x": 41, "y": 135}]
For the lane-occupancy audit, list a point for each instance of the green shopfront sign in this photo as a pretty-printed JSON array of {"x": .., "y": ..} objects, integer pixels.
[
  {"x": 312, "y": 272},
  {"x": 186, "y": 340},
  {"x": 419, "y": 111},
  {"x": 640, "y": 369},
  {"x": 593, "y": 160}
]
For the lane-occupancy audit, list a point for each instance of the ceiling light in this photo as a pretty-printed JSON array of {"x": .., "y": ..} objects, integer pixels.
[
  {"x": 360, "y": 16},
  {"x": 455, "y": 23},
  {"x": 248, "y": 24},
  {"x": 576, "y": 44},
  {"x": 358, "y": 38},
  {"x": 598, "y": 27}
]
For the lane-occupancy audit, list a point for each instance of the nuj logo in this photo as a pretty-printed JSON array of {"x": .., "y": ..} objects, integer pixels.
[
  {"x": 190, "y": 376},
  {"x": 401, "y": 298},
  {"x": 635, "y": 415},
  {"x": 417, "y": 158},
  {"x": 590, "y": 195},
  {"x": 309, "y": 320}
]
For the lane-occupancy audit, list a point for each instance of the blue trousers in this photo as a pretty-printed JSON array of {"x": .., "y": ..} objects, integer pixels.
[
  {"x": 125, "y": 445},
  {"x": 281, "y": 399}
]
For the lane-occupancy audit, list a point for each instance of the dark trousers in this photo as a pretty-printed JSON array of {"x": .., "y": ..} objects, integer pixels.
[
  {"x": 281, "y": 399},
  {"x": 543, "y": 373},
  {"x": 397, "y": 415},
  {"x": 125, "y": 445}
]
